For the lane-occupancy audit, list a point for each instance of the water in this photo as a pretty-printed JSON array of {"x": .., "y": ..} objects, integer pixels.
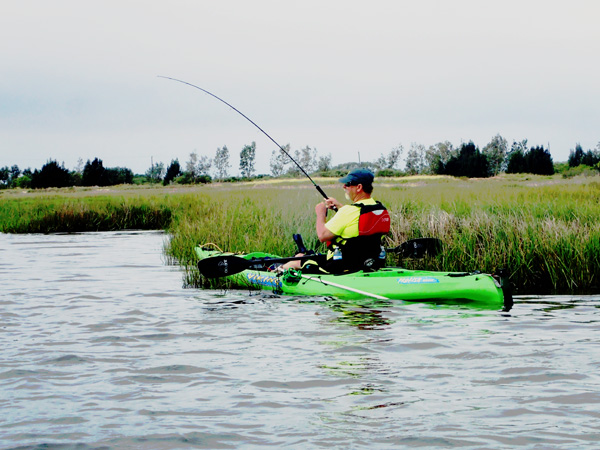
[{"x": 102, "y": 348}]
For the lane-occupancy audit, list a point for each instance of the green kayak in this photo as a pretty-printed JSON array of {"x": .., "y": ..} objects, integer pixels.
[{"x": 470, "y": 288}]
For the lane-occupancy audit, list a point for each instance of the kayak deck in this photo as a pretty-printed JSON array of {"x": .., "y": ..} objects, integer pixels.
[{"x": 395, "y": 283}]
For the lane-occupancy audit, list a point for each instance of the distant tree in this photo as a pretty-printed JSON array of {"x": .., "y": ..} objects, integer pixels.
[
  {"x": 415, "y": 159},
  {"x": 516, "y": 157},
  {"x": 391, "y": 160},
  {"x": 51, "y": 175},
  {"x": 117, "y": 175},
  {"x": 516, "y": 162},
  {"x": 469, "y": 162},
  {"x": 381, "y": 162},
  {"x": 539, "y": 161},
  {"x": 197, "y": 169},
  {"x": 76, "y": 178},
  {"x": 535, "y": 160},
  {"x": 24, "y": 181},
  {"x": 520, "y": 145},
  {"x": 4, "y": 177},
  {"x": 437, "y": 155},
  {"x": 191, "y": 169},
  {"x": 155, "y": 172},
  {"x": 306, "y": 158},
  {"x": 77, "y": 172},
  {"x": 173, "y": 171},
  {"x": 591, "y": 158},
  {"x": 280, "y": 161},
  {"x": 345, "y": 167},
  {"x": 496, "y": 152},
  {"x": 247, "y": 159},
  {"x": 93, "y": 173},
  {"x": 9, "y": 176},
  {"x": 79, "y": 166},
  {"x": 575, "y": 156},
  {"x": 14, "y": 172},
  {"x": 222, "y": 164},
  {"x": 324, "y": 163},
  {"x": 203, "y": 166}
]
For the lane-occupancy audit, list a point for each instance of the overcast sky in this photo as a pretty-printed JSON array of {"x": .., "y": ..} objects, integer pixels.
[{"x": 79, "y": 79}]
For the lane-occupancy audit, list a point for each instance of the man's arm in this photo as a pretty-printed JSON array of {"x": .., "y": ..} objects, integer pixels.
[{"x": 323, "y": 232}]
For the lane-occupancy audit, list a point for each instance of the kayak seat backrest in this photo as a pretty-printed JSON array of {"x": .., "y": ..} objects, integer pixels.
[{"x": 362, "y": 252}]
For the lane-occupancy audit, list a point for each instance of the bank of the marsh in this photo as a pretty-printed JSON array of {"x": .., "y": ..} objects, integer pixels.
[
  {"x": 84, "y": 209},
  {"x": 545, "y": 230}
]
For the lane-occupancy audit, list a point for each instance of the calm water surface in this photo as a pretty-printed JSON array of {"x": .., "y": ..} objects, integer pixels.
[{"x": 102, "y": 348}]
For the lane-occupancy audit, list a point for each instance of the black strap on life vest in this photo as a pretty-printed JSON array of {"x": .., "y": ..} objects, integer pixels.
[{"x": 362, "y": 252}]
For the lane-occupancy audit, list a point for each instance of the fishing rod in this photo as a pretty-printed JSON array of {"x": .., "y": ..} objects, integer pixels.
[{"x": 253, "y": 123}]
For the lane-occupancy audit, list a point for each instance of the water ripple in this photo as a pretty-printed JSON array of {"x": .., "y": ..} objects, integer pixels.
[{"x": 103, "y": 349}]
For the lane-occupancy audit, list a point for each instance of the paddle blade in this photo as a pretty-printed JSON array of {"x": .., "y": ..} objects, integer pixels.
[
  {"x": 222, "y": 266},
  {"x": 421, "y": 247}
]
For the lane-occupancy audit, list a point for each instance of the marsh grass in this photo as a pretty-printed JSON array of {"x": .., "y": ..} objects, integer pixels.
[
  {"x": 544, "y": 230},
  {"x": 547, "y": 233},
  {"x": 59, "y": 214}
]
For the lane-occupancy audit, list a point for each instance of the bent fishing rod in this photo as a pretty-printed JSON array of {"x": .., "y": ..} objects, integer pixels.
[{"x": 253, "y": 123}]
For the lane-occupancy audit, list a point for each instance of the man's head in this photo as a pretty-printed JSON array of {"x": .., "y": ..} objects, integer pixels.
[
  {"x": 359, "y": 176},
  {"x": 362, "y": 179}
]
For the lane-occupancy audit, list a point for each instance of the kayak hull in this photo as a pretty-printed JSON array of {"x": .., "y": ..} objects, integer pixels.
[{"x": 387, "y": 283}]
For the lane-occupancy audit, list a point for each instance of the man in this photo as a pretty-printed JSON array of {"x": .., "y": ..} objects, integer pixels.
[{"x": 353, "y": 235}]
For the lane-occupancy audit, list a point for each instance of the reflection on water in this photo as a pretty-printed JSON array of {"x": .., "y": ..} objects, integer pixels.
[
  {"x": 102, "y": 348},
  {"x": 365, "y": 314}
]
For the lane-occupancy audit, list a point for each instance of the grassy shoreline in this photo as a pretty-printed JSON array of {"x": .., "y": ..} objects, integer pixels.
[{"x": 544, "y": 230}]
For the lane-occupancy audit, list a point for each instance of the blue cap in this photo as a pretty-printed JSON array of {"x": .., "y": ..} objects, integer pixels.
[{"x": 358, "y": 176}]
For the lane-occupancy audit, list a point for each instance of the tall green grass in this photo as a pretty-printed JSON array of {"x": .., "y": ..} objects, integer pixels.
[
  {"x": 59, "y": 214},
  {"x": 544, "y": 230}
]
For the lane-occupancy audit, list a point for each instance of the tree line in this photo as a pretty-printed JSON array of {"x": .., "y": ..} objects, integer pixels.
[
  {"x": 439, "y": 159},
  {"x": 53, "y": 174}
]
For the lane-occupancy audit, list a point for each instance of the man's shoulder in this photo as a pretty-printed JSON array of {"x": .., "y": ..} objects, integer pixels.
[
  {"x": 348, "y": 209},
  {"x": 366, "y": 201}
]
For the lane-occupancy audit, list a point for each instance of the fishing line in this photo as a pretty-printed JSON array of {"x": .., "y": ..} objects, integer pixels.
[{"x": 253, "y": 123}]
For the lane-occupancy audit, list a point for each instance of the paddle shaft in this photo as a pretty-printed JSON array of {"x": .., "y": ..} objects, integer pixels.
[{"x": 269, "y": 261}]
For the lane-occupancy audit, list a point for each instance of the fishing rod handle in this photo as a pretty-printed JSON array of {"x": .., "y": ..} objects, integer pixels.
[{"x": 325, "y": 196}]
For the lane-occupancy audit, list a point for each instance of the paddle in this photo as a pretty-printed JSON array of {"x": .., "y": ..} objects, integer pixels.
[{"x": 225, "y": 265}]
